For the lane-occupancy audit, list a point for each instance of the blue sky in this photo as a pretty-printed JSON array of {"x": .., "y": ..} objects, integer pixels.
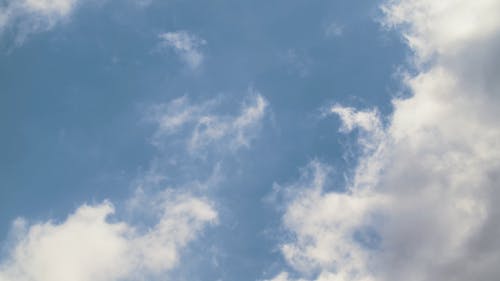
[{"x": 231, "y": 140}]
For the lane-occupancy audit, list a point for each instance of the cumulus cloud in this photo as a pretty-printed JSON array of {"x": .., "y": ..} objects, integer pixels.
[
  {"x": 428, "y": 32},
  {"x": 92, "y": 245},
  {"x": 420, "y": 205},
  {"x": 331, "y": 230},
  {"x": 205, "y": 128},
  {"x": 26, "y": 17},
  {"x": 186, "y": 45}
]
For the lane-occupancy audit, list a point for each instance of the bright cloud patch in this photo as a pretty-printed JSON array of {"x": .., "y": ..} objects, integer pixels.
[
  {"x": 331, "y": 229},
  {"x": 421, "y": 204},
  {"x": 429, "y": 32},
  {"x": 89, "y": 246},
  {"x": 31, "y": 16},
  {"x": 186, "y": 45},
  {"x": 205, "y": 128}
]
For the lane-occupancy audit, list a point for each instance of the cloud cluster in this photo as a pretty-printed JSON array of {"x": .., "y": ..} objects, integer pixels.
[
  {"x": 420, "y": 205},
  {"x": 95, "y": 244},
  {"x": 26, "y": 17},
  {"x": 90, "y": 245},
  {"x": 205, "y": 128},
  {"x": 186, "y": 45}
]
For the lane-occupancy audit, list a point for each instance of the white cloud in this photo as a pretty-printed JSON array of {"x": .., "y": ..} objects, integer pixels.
[
  {"x": 424, "y": 190},
  {"x": 325, "y": 225},
  {"x": 351, "y": 118},
  {"x": 186, "y": 45},
  {"x": 205, "y": 128},
  {"x": 90, "y": 246},
  {"x": 31, "y": 16},
  {"x": 429, "y": 32}
]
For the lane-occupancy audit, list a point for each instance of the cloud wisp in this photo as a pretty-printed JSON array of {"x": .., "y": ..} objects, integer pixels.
[
  {"x": 420, "y": 205},
  {"x": 186, "y": 45},
  {"x": 26, "y": 17},
  {"x": 204, "y": 128}
]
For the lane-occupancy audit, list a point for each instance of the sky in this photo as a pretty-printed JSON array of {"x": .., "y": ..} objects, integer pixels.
[{"x": 249, "y": 140}]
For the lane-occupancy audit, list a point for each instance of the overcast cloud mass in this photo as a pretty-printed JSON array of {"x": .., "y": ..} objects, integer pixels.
[{"x": 179, "y": 140}]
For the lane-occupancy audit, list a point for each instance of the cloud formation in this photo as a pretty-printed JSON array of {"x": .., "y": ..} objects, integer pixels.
[
  {"x": 96, "y": 244},
  {"x": 186, "y": 45},
  {"x": 90, "y": 245},
  {"x": 420, "y": 205},
  {"x": 332, "y": 230},
  {"x": 205, "y": 128},
  {"x": 26, "y": 17}
]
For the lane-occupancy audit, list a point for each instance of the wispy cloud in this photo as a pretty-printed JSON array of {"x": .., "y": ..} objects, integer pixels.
[
  {"x": 205, "y": 128},
  {"x": 26, "y": 17},
  {"x": 186, "y": 45}
]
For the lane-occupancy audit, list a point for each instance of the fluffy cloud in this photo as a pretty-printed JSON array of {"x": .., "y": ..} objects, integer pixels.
[
  {"x": 420, "y": 205},
  {"x": 333, "y": 232},
  {"x": 186, "y": 45},
  {"x": 206, "y": 128},
  {"x": 443, "y": 28},
  {"x": 89, "y": 245},
  {"x": 31, "y": 16}
]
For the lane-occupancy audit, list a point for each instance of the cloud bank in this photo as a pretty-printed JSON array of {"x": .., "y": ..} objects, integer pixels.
[{"x": 420, "y": 205}]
